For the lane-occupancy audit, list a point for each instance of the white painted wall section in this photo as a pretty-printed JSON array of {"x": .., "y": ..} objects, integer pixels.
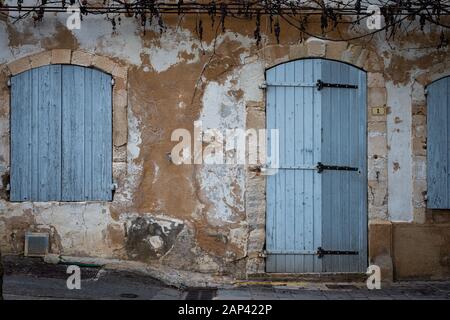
[{"x": 399, "y": 153}]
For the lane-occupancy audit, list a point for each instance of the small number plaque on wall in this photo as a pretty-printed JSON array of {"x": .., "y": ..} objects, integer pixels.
[{"x": 379, "y": 111}]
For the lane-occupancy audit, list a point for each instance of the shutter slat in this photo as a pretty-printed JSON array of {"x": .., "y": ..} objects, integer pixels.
[
  {"x": 89, "y": 92},
  {"x": 37, "y": 75},
  {"x": 49, "y": 133}
]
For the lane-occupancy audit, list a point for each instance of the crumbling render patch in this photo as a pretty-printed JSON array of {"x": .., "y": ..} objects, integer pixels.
[{"x": 149, "y": 237}]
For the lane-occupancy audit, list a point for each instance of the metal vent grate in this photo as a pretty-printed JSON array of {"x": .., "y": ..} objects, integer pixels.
[{"x": 36, "y": 244}]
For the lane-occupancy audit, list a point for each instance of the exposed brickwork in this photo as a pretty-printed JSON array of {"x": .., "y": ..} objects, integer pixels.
[
  {"x": 316, "y": 48},
  {"x": 255, "y": 198},
  {"x": 61, "y": 56},
  {"x": 82, "y": 58},
  {"x": 104, "y": 64},
  {"x": 19, "y": 65},
  {"x": 335, "y": 49},
  {"x": 41, "y": 59}
]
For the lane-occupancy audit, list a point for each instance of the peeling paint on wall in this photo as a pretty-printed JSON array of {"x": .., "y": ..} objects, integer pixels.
[{"x": 399, "y": 153}]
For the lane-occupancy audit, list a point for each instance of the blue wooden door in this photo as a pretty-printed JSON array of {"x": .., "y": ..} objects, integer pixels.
[
  {"x": 344, "y": 192},
  {"x": 438, "y": 144},
  {"x": 61, "y": 134},
  {"x": 317, "y": 202}
]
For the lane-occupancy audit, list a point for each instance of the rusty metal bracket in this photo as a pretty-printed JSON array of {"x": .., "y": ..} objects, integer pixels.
[
  {"x": 321, "y": 252},
  {"x": 320, "y": 85},
  {"x": 321, "y": 167}
]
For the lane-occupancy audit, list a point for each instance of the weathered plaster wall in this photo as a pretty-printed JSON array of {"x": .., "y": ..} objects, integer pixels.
[
  {"x": 421, "y": 251},
  {"x": 205, "y": 218},
  {"x": 187, "y": 217}
]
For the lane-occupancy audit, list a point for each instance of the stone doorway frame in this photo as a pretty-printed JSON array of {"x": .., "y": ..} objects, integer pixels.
[{"x": 377, "y": 150}]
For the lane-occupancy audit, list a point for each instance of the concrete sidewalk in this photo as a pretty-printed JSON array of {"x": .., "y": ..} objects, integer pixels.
[{"x": 437, "y": 290}]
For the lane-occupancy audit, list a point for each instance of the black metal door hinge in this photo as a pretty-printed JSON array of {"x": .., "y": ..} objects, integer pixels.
[
  {"x": 320, "y": 167},
  {"x": 321, "y": 252},
  {"x": 320, "y": 85}
]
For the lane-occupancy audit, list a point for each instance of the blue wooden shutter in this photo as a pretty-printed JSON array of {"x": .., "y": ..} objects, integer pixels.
[
  {"x": 438, "y": 144},
  {"x": 86, "y": 134},
  {"x": 61, "y": 135},
  {"x": 36, "y": 135}
]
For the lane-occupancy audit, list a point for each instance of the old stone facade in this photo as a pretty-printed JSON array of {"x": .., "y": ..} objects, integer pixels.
[{"x": 211, "y": 219}]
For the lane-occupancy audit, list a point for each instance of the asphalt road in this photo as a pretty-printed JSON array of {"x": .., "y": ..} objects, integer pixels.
[{"x": 31, "y": 278}]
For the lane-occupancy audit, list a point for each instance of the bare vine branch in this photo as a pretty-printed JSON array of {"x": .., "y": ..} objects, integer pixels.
[{"x": 399, "y": 15}]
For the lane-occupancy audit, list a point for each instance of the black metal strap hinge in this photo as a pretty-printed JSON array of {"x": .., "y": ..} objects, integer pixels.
[
  {"x": 320, "y": 167},
  {"x": 321, "y": 252},
  {"x": 320, "y": 85}
]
